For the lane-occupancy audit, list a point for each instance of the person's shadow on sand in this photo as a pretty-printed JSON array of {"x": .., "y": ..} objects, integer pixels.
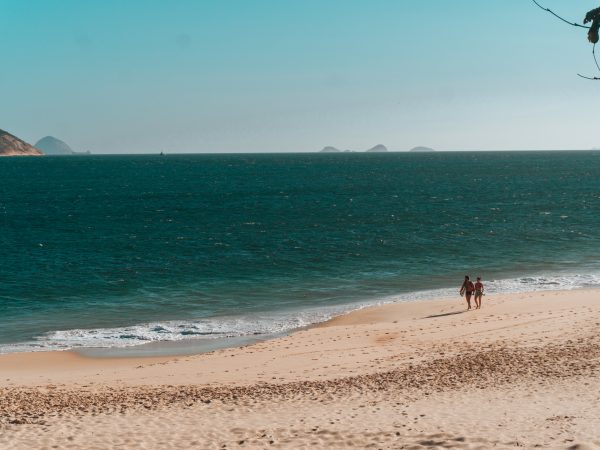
[{"x": 444, "y": 315}]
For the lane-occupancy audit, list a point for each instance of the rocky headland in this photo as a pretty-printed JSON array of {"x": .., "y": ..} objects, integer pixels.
[{"x": 11, "y": 145}]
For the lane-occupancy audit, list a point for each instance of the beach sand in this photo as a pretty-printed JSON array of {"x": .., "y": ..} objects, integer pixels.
[{"x": 522, "y": 372}]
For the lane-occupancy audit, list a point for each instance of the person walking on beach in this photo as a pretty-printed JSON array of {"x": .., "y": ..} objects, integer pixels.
[
  {"x": 478, "y": 292},
  {"x": 467, "y": 290}
]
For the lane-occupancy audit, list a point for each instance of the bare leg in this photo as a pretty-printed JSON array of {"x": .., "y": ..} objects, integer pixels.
[{"x": 468, "y": 297}]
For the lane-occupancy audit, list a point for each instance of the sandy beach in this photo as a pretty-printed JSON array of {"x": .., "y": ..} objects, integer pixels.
[{"x": 519, "y": 373}]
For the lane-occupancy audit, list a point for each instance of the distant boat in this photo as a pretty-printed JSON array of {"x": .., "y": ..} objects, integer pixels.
[{"x": 162, "y": 154}]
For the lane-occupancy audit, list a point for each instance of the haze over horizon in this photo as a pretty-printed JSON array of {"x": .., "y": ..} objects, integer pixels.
[{"x": 267, "y": 76}]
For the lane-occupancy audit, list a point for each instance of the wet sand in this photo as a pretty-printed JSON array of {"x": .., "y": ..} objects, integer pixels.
[{"x": 520, "y": 372}]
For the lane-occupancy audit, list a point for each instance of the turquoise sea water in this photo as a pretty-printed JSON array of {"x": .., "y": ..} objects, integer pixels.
[{"x": 122, "y": 250}]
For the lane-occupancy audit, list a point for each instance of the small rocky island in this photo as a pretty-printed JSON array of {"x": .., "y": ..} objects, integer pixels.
[
  {"x": 421, "y": 150},
  {"x": 377, "y": 149},
  {"x": 380, "y": 148},
  {"x": 13, "y": 146},
  {"x": 330, "y": 149}
]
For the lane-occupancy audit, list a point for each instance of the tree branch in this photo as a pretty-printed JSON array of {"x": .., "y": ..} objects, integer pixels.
[
  {"x": 588, "y": 78},
  {"x": 592, "y": 16},
  {"x": 575, "y": 24},
  {"x": 597, "y": 65},
  {"x": 595, "y": 59}
]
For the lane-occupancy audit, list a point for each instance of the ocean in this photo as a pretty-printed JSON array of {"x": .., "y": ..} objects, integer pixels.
[{"x": 207, "y": 250}]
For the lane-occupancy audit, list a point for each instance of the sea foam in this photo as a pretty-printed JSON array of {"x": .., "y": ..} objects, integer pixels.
[{"x": 272, "y": 324}]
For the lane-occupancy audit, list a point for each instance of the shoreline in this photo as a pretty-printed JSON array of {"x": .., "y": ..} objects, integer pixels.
[
  {"x": 524, "y": 366},
  {"x": 369, "y": 315},
  {"x": 191, "y": 346}
]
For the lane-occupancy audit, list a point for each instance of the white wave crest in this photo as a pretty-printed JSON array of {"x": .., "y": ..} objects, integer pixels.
[
  {"x": 265, "y": 325},
  {"x": 198, "y": 329}
]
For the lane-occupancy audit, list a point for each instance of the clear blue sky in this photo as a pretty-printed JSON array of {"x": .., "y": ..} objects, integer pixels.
[{"x": 263, "y": 75}]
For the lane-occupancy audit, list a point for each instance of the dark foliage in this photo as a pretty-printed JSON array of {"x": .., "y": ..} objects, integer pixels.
[{"x": 594, "y": 17}]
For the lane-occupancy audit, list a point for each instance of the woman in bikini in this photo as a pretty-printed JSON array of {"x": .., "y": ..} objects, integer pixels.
[
  {"x": 478, "y": 293},
  {"x": 467, "y": 290}
]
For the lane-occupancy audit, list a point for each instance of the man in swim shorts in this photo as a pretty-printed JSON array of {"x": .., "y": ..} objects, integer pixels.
[
  {"x": 467, "y": 290},
  {"x": 478, "y": 293}
]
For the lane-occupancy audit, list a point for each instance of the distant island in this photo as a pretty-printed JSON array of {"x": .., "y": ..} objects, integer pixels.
[
  {"x": 53, "y": 146},
  {"x": 11, "y": 145},
  {"x": 421, "y": 149},
  {"x": 379, "y": 148},
  {"x": 330, "y": 149},
  {"x": 50, "y": 145}
]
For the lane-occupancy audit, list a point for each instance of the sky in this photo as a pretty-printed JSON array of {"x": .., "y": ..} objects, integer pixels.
[{"x": 144, "y": 76}]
